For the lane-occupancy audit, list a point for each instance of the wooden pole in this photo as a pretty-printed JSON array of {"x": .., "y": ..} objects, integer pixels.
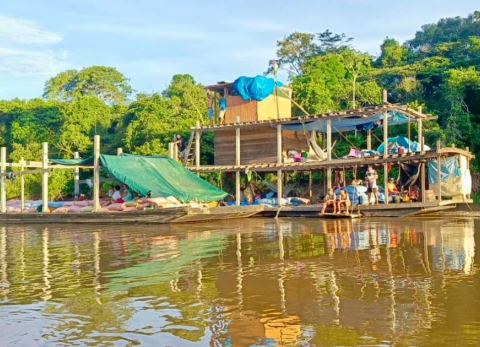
[
  {"x": 369, "y": 139},
  {"x": 420, "y": 135},
  {"x": 237, "y": 163},
  {"x": 329, "y": 152},
  {"x": 76, "y": 178},
  {"x": 96, "y": 173},
  {"x": 439, "y": 173},
  {"x": 3, "y": 188},
  {"x": 279, "y": 162},
  {"x": 385, "y": 155},
  {"x": 310, "y": 193},
  {"x": 385, "y": 96},
  {"x": 422, "y": 177},
  {"x": 22, "y": 185},
  {"x": 44, "y": 177},
  {"x": 197, "y": 145},
  {"x": 119, "y": 151}
]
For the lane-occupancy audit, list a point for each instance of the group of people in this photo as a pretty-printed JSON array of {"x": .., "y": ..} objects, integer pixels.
[{"x": 343, "y": 203}]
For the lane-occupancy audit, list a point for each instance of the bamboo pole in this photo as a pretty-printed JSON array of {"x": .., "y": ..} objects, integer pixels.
[
  {"x": 385, "y": 156},
  {"x": 3, "y": 188},
  {"x": 279, "y": 161},
  {"x": 237, "y": 163},
  {"x": 329, "y": 152},
  {"x": 22, "y": 185},
  {"x": 76, "y": 177},
  {"x": 45, "y": 177},
  {"x": 439, "y": 173},
  {"x": 96, "y": 173}
]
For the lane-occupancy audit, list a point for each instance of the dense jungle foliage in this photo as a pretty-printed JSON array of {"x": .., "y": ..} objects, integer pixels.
[{"x": 437, "y": 70}]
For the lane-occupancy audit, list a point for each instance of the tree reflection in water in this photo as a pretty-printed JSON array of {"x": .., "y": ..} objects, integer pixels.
[{"x": 261, "y": 282}]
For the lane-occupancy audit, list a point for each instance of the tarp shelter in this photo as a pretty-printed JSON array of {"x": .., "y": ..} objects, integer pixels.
[
  {"x": 455, "y": 176},
  {"x": 255, "y": 88},
  {"x": 348, "y": 124},
  {"x": 161, "y": 176},
  {"x": 401, "y": 141}
]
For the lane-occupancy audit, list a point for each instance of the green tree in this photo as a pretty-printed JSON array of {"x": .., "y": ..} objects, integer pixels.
[
  {"x": 294, "y": 50},
  {"x": 392, "y": 54},
  {"x": 105, "y": 83}
]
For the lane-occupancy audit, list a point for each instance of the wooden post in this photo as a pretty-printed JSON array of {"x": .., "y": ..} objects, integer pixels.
[
  {"x": 119, "y": 151},
  {"x": 197, "y": 146},
  {"x": 237, "y": 163},
  {"x": 44, "y": 177},
  {"x": 439, "y": 172},
  {"x": 3, "y": 188},
  {"x": 385, "y": 154},
  {"x": 369, "y": 139},
  {"x": 22, "y": 185},
  {"x": 329, "y": 152},
  {"x": 279, "y": 162},
  {"x": 310, "y": 193},
  {"x": 76, "y": 177},
  {"x": 96, "y": 173},
  {"x": 420, "y": 135},
  {"x": 423, "y": 183},
  {"x": 385, "y": 96}
]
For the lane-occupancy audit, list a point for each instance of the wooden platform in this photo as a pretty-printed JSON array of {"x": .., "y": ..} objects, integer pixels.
[
  {"x": 162, "y": 216},
  {"x": 382, "y": 210}
]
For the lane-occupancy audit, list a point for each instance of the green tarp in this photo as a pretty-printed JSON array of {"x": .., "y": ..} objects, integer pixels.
[
  {"x": 73, "y": 162},
  {"x": 161, "y": 176}
]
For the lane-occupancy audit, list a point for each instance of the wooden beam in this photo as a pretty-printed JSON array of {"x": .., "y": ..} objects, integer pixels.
[
  {"x": 3, "y": 187},
  {"x": 237, "y": 163},
  {"x": 22, "y": 185},
  {"x": 385, "y": 182},
  {"x": 96, "y": 173},
  {"x": 76, "y": 177},
  {"x": 119, "y": 151},
  {"x": 385, "y": 96},
  {"x": 45, "y": 177}
]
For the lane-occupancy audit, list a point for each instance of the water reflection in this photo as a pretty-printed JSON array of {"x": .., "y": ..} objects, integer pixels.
[{"x": 264, "y": 283}]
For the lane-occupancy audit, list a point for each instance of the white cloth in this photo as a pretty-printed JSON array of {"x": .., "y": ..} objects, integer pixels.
[{"x": 116, "y": 195}]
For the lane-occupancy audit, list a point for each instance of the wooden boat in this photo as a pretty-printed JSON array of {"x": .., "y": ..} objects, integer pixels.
[{"x": 160, "y": 216}]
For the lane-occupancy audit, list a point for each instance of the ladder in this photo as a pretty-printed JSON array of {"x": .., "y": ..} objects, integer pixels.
[{"x": 189, "y": 155}]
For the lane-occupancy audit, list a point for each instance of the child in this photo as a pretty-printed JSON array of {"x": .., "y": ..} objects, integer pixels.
[{"x": 329, "y": 200}]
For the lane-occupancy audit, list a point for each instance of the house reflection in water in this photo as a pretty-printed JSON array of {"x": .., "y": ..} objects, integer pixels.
[{"x": 261, "y": 283}]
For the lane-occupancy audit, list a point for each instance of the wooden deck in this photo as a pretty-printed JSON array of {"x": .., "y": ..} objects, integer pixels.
[
  {"x": 390, "y": 210},
  {"x": 161, "y": 216}
]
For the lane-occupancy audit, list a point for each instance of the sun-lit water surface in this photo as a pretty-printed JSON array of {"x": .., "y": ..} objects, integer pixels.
[{"x": 254, "y": 282}]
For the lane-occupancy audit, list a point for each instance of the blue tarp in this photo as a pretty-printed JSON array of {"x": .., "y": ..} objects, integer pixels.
[
  {"x": 450, "y": 168},
  {"x": 401, "y": 141},
  {"x": 348, "y": 124},
  {"x": 254, "y": 88}
]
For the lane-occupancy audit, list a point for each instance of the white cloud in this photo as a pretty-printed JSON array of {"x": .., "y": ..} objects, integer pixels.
[
  {"x": 28, "y": 50},
  {"x": 20, "y": 31}
]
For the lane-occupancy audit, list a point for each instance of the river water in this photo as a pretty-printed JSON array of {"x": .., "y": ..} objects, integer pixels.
[{"x": 257, "y": 282}]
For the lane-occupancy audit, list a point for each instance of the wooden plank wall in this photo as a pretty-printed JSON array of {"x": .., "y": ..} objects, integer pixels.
[
  {"x": 247, "y": 110},
  {"x": 257, "y": 145}
]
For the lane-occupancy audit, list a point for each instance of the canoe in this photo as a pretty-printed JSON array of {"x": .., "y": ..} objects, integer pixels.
[{"x": 160, "y": 216}]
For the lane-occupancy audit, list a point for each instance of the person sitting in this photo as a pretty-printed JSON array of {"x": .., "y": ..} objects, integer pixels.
[
  {"x": 414, "y": 194},
  {"x": 343, "y": 202},
  {"x": 117, "y": 195},
  {"x": 329, "y": 200},
  {"x": 393, "y": 191}
]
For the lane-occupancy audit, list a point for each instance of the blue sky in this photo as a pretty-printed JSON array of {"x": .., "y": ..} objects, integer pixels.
[{"x": 150, "y": 40}]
